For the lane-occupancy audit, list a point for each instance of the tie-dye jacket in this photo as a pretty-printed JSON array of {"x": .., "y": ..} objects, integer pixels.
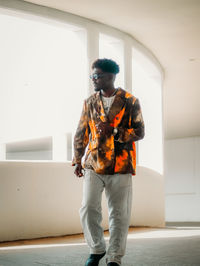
[{"x": 109, "y": 154}]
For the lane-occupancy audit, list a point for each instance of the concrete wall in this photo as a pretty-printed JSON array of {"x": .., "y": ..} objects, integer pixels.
[
  {"x": 39, "y": 199},
  {"x": 182, "y": 179}
]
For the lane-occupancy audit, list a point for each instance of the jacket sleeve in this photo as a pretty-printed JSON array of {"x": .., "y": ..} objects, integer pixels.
[
  {"x": 81, "y": 137},
  {"x": 136, "y": 130}
]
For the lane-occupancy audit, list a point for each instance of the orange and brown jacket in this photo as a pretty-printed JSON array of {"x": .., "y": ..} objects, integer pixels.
[{"x": 109, "y": 154}]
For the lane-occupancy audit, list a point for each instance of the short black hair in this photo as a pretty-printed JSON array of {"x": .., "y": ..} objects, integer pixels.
[{"x": 106, "y": 65}]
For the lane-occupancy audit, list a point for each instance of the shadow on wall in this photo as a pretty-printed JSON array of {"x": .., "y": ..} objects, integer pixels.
[{"x": 40, "y": 199}]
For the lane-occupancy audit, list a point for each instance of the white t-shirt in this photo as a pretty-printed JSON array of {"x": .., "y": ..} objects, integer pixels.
[{"x": 107, "y": 102}]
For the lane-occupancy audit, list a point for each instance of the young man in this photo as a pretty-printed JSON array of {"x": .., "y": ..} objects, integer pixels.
[{"x": 110, "y": 123}]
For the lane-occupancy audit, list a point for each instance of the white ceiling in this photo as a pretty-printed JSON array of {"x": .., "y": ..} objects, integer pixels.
[{"x": 171, "y": 30}]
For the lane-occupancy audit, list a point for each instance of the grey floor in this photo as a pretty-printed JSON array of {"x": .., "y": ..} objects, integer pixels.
[{"x": 173, "y": 245}]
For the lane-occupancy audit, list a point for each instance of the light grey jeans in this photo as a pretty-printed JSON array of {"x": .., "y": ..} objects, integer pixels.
[{"x": 118, "y": 189}]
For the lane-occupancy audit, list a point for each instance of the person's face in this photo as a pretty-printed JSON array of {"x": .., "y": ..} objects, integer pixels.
[{"x": 101, "y": 80}]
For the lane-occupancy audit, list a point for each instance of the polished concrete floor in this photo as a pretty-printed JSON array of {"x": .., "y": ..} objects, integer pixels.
[{"x": 172, "y": 245}]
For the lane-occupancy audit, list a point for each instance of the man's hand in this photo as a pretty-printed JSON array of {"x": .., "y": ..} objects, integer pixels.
[
  {"x": 104, "y": 128},
  {"x": 78, "y": 170}
]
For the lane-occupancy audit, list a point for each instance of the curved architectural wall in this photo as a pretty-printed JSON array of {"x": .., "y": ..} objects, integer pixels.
[{"x": 40, "y": 199}]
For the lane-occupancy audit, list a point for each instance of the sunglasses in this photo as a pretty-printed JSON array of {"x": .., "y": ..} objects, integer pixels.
[{"x": 97, "y": 76}]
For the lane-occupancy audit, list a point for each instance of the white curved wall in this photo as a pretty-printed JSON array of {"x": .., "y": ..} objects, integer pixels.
[{"x": 39, "y": 199}]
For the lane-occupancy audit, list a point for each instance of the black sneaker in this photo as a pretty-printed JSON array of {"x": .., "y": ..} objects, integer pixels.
[
  {"x": 94, "y": 259},
  {"x": 112, "y": 264}
]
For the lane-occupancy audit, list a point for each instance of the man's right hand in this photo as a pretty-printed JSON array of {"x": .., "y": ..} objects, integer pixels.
[{"x": 78, "y": 170}]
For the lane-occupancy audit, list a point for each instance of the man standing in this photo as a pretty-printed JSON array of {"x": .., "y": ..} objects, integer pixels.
[{"x": 110, "y": 123}]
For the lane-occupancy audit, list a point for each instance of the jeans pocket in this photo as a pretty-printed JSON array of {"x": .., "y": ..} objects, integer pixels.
[{"x": 126, "y": 180}]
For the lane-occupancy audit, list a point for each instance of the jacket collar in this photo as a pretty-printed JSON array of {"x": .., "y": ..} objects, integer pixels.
[{"x": 115, "y": 108}]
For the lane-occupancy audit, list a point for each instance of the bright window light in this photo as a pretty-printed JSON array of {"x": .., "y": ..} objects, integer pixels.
[
  {"x": 147, "y": 87},
  {"x": 112, "y": 48},
  {"x": 43, "y": 78}
]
